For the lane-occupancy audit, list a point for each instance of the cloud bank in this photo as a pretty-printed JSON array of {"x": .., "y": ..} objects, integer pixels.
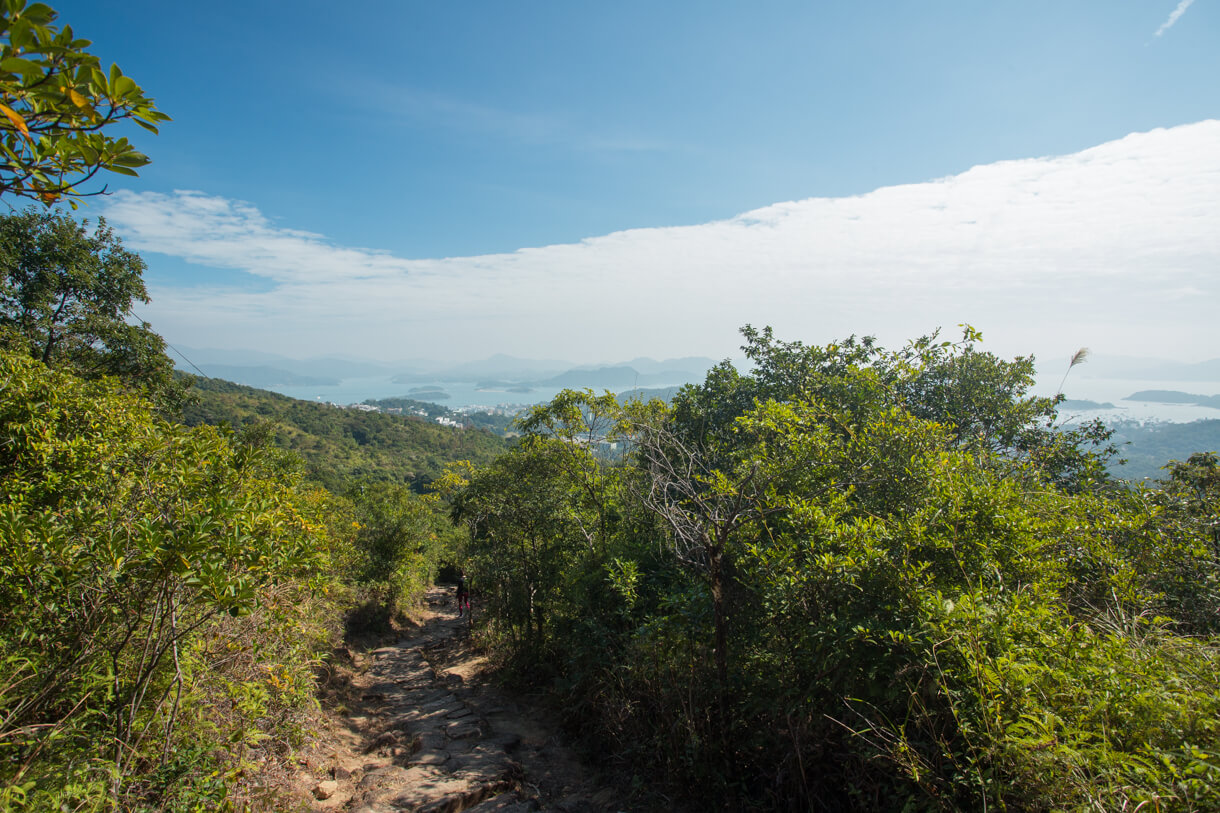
[{"x": 1114, "y": 247}]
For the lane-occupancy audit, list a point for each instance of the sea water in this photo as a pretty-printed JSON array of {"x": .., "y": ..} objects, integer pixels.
[
  {"x": 1078, "y": 387},
  {"x": 1115, "y": 391},
  {"x": 469, "y": 393}
]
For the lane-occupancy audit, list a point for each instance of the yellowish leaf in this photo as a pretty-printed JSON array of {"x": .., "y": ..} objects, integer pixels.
[
  {"x": 18, "y": 122},
  {"x": 77, "y": 99}
]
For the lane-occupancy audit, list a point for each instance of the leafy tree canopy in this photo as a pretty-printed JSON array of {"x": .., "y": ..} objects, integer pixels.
[
  {"x": 981, "y": 399},
  {"x": 58, "y": 108},
  {"x": 66, "y": 296}
]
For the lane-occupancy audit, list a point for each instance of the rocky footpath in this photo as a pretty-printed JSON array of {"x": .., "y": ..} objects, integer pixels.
[{"x": 429, "y": 734}]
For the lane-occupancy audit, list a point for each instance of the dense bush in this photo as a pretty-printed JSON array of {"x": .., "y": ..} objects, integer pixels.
[
  {"x": 862, "y": 579},
  {"x": 139, "y": 560},
  {"x": 399, "y": 542}
]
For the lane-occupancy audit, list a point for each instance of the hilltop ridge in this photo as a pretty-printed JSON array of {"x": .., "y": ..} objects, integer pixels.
[{"x": 340, "y": 445}]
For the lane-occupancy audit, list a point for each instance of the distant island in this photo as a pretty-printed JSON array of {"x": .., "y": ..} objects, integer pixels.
[
  {"x": 502, "y": 386},
  {"x": 1074, "y": 403},
  {"x": 1175, "y": 397},
  {"x": 428, "y": 394}
]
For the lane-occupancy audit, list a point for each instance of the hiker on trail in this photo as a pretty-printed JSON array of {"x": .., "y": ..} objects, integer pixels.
[{"x": 463, "y": 594}]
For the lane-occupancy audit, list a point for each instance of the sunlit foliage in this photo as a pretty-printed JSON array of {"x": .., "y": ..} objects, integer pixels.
[
  {"x": 132, "y": 550},
  {"x": 855, "y": 578}
]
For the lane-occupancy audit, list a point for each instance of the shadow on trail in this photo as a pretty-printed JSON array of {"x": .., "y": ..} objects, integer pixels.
[{"x": 426, "y": 731}]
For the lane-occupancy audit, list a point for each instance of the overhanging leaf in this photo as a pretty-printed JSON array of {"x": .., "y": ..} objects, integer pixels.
[{"x": 16, "y": 119}]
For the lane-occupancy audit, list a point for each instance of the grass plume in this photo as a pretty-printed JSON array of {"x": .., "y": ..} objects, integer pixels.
[{"x": 1079, "y": 357}]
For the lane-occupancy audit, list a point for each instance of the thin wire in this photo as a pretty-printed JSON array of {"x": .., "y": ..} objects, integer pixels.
[
  {"x": 188, "y": 361},
  {"x": 171, "y": 347}
]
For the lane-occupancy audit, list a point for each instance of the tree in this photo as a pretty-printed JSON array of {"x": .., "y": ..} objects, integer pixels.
[
  {"x": 1186, "y": 569},
  {"x": 398, "y": 540},
  {"x": 983, "y": 399},
  {"x": 528, "y": 522},
  {"x": 66, "y": 297},
  {"x": 583, "y": 423},
  {"x": 853, "y": 577},
  {"x": 704, "y": 498},
  {"x": 58, "y": 108}
]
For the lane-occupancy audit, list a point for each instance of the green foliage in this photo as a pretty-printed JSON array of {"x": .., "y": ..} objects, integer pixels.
[
  {"x": 1187, "y": 524},
  {"x": 341, "y": 447},
  {"x": 542, "y": 520},
  {"x": 523, "y": 527},
  {"x": 555, "y": 541},
  {"x": 66, "y": 296},
  {"x": 399, "y": 540},
  {"x": 126, "y": 545},
  {"x": 57, "y": 106},
  {"x": 862, "y": 579}
]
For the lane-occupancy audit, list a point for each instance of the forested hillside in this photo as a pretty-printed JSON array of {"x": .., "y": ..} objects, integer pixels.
[
  {"x": 341, "y": 446},
  {"x": 494, "y": 420},
  {"x": 1148, "y": 448}
]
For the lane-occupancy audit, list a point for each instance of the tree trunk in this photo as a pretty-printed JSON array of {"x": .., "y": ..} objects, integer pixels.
[
  {"x": 50, "y": 345},
  {"x": 720, "y": 721},
  {"x": 721, "y": 651}
]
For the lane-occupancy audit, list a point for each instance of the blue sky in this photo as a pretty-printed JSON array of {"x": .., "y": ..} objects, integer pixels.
[{"x": 381, "y": 136}]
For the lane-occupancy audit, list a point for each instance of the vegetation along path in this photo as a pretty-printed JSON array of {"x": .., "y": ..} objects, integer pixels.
[{"x": 427, "y": 732}]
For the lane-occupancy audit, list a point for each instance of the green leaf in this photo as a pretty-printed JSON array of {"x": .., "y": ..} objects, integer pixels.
[
  {"x": 130, "y": 159},
  {"x": 40, "y": 14},
  {"x": 124, "y": 86},
  {"x": 28, "y": 69}
]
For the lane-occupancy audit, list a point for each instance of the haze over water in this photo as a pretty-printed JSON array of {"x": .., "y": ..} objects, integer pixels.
[{"x": 1101, "y": 390}]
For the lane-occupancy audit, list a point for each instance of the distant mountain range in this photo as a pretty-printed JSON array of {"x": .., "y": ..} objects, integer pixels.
[
  {"x": 502, "y": 367},
  {"x": 257, "y": 369},
  {"x": 240, "y": 365},
  {"x": 1128, "y": 367},
  {"x": 625, "y": 377}
]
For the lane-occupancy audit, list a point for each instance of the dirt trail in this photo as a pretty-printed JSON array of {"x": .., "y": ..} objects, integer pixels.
[{"x": 430, "y": 734}]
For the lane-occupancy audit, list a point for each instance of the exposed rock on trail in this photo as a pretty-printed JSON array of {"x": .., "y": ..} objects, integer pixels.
[{"x": 431, "y": 735}]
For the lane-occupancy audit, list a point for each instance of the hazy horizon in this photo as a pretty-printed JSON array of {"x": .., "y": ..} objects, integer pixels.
[{"x": 257, "y": 357}]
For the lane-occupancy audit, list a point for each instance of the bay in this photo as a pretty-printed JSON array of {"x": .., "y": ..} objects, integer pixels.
[{"x": 1078, "y": 387}]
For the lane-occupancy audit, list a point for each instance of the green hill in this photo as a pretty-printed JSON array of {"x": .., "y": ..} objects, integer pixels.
[
  {"x": 341, "y": 445},
  {"x": 1149, "y": 447}
]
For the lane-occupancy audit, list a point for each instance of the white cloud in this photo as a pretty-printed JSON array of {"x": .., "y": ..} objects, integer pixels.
[
  {"x": 234, "y": 234},
  {"x": 1114, "y": 247},
  {"x": 1173, "y": 17}
]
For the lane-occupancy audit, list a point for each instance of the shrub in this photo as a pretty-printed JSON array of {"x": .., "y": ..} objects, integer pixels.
[{"x": 128, "y": 547}]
